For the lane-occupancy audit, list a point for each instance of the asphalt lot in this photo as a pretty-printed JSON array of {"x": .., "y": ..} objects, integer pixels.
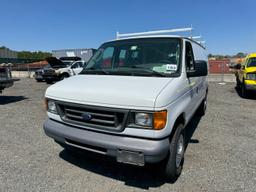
[{"x": 221, "y": 154}]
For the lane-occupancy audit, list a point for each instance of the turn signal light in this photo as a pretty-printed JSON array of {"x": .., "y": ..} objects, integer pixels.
[{"x": 160, "y": 119}]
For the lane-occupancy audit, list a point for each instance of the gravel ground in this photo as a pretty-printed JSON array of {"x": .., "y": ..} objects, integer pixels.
[{"x": 221, "y": 154}]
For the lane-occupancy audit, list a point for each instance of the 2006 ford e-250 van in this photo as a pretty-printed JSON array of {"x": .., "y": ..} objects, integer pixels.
[{"x": 132, "y": 101}]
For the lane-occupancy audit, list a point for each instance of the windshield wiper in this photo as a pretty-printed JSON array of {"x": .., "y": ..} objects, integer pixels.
[{"x": 93, "y": 70}]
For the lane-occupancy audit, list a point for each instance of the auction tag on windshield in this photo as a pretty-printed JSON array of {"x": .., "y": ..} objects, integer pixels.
[
  {"x": 134, "y": 47},
  {"x": 171, "y": 67}
]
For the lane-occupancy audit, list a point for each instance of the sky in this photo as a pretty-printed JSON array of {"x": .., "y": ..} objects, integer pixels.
[{"x": 228, "y": 26}]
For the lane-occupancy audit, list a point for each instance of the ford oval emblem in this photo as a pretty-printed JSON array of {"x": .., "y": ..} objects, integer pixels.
[{"x": 86, "y": 116}]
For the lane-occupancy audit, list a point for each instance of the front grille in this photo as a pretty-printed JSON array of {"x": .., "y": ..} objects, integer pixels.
[
  {"x": 252, "y": 76},
  {"x": 101, "y": 117}
]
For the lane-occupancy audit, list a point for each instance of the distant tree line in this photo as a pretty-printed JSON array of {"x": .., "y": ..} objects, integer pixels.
[
  {"x": 37, "y": 55},
  {"x": 238, "y": 55},
  {"x": 3, "y": 47}
]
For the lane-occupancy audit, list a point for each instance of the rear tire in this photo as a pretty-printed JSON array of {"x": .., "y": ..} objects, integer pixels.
[{"x": 172, "y": 166}]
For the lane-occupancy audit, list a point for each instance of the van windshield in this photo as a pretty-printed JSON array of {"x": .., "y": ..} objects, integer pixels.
[
  {"x": 141, "y": 57},
  {"x": 252, "y": 62}
]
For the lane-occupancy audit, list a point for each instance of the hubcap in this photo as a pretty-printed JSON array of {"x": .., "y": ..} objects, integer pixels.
[{"x": 180, "y": 150}]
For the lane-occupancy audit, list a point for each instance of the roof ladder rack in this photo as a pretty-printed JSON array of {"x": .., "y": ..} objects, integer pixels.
[
  {"x": 188, "y": 29},
  {"x": 119, "y": 35}
]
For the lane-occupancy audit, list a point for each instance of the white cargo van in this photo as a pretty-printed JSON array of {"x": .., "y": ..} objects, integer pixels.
[{"x": 132, "y": 100}]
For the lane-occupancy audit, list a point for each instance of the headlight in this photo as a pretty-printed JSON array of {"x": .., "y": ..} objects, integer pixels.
[
  {"x": 50, "y": 106},
  {"x": 155, "y": 120},
  {"x": 251, "y": 76},
  {"x": 143, "y": 119}
]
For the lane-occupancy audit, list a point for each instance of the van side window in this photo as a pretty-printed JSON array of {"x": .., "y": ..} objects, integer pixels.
[
  {"x": 122, "y": 56},
  {"x": 81, "y": 64},
  {"x": 190, "y": 63},
  {"x": 107, "y": 57}
]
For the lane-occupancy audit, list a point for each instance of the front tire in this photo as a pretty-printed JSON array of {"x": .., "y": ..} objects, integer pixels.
[
  {"x": 173, "y": 164},
  {"x": 244, "y": 92},
  {"x": 237, "y": 82},
  {"x": 49, "y": 81},
  {"x": 64, "y": 76}
]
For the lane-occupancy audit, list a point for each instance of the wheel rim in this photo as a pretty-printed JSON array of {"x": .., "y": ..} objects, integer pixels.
[{"x": 180, "y": 151}]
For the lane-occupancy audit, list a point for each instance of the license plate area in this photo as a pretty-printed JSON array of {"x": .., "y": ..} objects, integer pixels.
[{"x": 130, "y": 157}]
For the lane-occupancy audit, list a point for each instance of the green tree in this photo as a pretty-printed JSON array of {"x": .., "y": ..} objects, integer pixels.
[
  {"x": 37, "y": 55},
  {"x": 240, "y": 55}
]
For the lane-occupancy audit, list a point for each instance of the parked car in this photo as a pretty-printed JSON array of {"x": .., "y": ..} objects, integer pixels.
[
  {"x": 39, "y": 73},
  {"x": 62, "y": 68},
  {"x": 132, "y": 101},
  {"x": 6, "y": 79},
  {"x": 246, "y": 75},
  {"x": 74, "y": 69}
]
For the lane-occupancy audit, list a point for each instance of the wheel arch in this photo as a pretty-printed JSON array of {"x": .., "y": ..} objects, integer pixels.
[
  {"x": 179, "y": 120},
  {"x": 65, "y": 73}
]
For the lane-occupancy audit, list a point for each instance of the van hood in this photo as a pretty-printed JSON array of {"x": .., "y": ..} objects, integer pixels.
[
  {"x": 54, "y": 62},
  {"x": 58, "y": 63},
  {"x": 108, "y": 90}
]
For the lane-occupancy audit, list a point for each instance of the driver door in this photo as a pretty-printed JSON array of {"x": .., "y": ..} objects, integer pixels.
[{"x": 77, "y": 67}]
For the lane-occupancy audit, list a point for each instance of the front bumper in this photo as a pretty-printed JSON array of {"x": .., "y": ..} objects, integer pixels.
[
  {"x": 250, "y": 84},
  {"x": 125, "y": 149},
  {"x": 251, "y": 87}
]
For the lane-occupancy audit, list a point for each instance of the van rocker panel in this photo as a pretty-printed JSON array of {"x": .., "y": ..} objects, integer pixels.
[{"x": 152, "y": 150}]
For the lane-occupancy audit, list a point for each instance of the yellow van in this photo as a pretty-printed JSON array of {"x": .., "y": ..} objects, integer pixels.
[{"x": 246, "y": 74}]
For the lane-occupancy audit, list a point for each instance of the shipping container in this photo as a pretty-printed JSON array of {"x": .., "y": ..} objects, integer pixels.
[{"x": 219, "y": 66}]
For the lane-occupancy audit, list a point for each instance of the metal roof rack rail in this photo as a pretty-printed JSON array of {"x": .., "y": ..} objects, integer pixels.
[
  {"x": 119, "y": 35},
  {"x": 178, "y": 30}
]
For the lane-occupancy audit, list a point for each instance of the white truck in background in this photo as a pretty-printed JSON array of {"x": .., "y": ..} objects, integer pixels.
[
  {"x": 133, "y": 100},
  {"x": 74, "y": 69},
  {"x": 62, "y": 68}
]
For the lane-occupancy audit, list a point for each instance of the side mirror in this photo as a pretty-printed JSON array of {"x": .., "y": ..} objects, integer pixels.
[{"x": 201, "y": 69}]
